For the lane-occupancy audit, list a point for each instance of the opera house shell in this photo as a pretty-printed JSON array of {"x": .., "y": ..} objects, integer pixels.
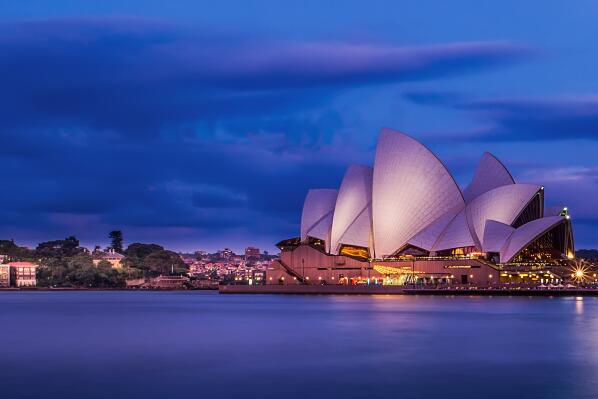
[{"x": 409, "y": 205}]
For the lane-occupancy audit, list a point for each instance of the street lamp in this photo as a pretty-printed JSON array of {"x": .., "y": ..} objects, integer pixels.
[{"x": 303, "y": 268}]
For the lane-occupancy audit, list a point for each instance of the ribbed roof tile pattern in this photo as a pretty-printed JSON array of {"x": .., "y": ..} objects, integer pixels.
[
  {"x": 316, "y": 218},
  {"x": 352, "y": 214},
  {"x": 426, "y": 238},
  {"x": 502, "y": 204},
  {"x": 410, "y": 198},
  {"x": 490, "y": 173},
  {"x": 359, "y": 233},
  {"x": 495, "y": 235},
  {"x": 411, "y": 189},
  {"x": 455, "y": 235}
]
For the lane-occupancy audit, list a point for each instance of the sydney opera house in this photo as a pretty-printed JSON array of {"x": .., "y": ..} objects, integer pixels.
[{"x": 406, "y": 220}]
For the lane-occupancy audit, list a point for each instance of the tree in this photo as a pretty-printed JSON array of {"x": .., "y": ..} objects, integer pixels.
[
  {"x": 116, "y": 238},
  {"x": 104, "y": 265},
  {"x": 79, "y": 262},
  {"x": 14, "y": 252},
  {"x": 82, "y": 272},
  {"x": 59, "y": 248},
  {"x": 77, "y": 270},
  {"x": 136, "y": 253},
  {"x": 164, "y": 262},
  {"x": 141, "y": 251}
]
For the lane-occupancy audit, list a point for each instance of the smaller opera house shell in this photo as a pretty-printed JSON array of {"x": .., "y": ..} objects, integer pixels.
[{"x": 408, "y": 207}]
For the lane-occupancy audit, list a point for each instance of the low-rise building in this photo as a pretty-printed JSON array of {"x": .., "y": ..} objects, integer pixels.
[
  {"x": 23, "y": 274},
  {"x": 4, "y": 276},
  {"x": 111, "y": 256},
  {"x": 252, "y": 253},
  {"x": 169, "y": 282},
  {"x": 135, "y": 282}
]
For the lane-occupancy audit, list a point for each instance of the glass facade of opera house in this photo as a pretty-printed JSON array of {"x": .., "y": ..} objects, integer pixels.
[{"x": 406, "y": 221}]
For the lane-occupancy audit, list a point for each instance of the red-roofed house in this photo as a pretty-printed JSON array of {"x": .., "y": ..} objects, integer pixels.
[{"x": 23, "y": 274}]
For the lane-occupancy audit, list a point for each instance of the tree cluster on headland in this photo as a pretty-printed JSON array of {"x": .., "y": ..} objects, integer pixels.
[{"x": 64, "y": 263}]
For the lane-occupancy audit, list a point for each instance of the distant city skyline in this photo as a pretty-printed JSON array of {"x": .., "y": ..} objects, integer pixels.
[{"x": 201, "y": 126}]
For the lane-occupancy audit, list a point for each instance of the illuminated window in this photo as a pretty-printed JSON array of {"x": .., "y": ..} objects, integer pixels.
[{"x": 360, "y": 253}]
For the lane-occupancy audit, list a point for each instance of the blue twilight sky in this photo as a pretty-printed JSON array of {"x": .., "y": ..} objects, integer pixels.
[{"x": 201, "y": 124}]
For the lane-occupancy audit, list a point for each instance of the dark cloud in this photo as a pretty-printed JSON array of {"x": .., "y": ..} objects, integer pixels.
[
  {"x": 140, "y": 76},
  {"x": 538, "y": 119},
  {"x": 520, "y": 119},
  {"x": 149, "y": 127}
]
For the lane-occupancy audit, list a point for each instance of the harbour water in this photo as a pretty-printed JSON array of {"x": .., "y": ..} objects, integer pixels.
[{"x": 200, "y": 344}]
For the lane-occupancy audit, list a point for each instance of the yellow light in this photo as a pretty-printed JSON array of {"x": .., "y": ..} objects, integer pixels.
[
  {"x": 570, "y": 256},
  {"x": 357, "y": 252},
  {"x": 579, "y": 273},
  {"x": 490, "y": 276},
  {"x": 471, "y": 276},
  {"x": 319, "y": 278}
]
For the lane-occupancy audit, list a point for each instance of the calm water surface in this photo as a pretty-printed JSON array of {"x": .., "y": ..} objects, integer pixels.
[{"x": 201, "y": 344}]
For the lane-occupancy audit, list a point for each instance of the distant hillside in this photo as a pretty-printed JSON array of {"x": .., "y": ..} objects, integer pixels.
[{"x": 587, "y": 253}]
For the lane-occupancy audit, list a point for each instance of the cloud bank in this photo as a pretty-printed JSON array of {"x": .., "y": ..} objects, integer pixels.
[{"x": 179, "y": 135}]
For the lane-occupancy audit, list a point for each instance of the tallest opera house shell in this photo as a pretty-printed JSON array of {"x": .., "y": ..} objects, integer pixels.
[{"x": 411, "y": 189}]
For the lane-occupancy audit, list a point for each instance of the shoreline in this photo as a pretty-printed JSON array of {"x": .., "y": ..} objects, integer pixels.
[
  {"x": 397, "y": 290},
  {"x": 62, "y": 289},
  {"x": 339, "y": 290}
]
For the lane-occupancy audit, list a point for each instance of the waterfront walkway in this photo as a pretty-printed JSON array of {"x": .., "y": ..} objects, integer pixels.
[{"x": 300, "y": 289}]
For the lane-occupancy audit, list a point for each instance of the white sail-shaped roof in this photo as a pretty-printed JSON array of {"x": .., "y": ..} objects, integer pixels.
[
  {"x": 426, "y": 238},
  {"x": 496, "y": 235},
  {"x": 411, "y": 189},
  {"x": 316, "y": 218},
  {"x": 502, "y": 204},
  {"x": 321, "y": 230},
  {"x": 352, "y": 223},
  {"x": 456, "y": 234},
  {"x": 359, "y": 233},
  {"x": 527, "y": 233},
  {"x": 490, "y": 173}
]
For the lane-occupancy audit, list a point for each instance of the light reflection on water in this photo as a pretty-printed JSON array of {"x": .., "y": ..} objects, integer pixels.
[{"x": 175, "y": 345}]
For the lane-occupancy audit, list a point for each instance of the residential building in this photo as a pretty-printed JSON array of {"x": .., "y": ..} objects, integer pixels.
[
  {"x": 23, "y": 274},
  {"x": 169, "y": 282},
  {"x": 111, "y": 256},
  {"x": 4, "y": 276},
  {"x": 252, "y": 253}
]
